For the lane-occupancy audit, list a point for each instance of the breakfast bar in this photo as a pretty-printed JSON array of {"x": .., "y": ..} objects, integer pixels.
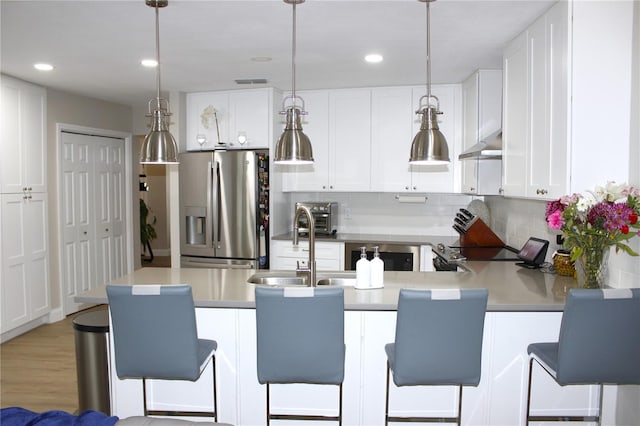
[{"x": 524, "y": 306}]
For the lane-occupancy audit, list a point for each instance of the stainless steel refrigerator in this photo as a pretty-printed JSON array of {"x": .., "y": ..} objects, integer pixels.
[{"x": 224, "y": 209}]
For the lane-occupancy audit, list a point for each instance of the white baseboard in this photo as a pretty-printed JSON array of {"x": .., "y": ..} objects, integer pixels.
[
  {"x": 24, "y": 328},
  {"x": 56, "y": 315}
]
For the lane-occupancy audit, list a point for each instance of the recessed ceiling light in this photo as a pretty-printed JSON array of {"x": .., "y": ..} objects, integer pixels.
[
  {"x": 261, "y": 59},
  {"x": 43, "y": 67},
  {"x": 149, "y": 63},
  {"x": 373, "y": 58}
]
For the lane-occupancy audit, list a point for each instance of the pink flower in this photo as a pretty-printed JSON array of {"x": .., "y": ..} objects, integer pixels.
[{"x": 554, "y": 220}]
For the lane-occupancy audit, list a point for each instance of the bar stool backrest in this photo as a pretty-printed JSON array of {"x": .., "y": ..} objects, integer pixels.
[
  {"x": 439, "y": 337},
  {"x": 154, "y": 331},
  {"x": 300, "y": 335},
  {"x": 600, "y": 337}
]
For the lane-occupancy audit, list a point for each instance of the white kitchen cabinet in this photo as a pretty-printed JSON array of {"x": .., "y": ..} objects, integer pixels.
[
  {"x": 242, "y": 114},
  {"x": 392, "y": 116},
  {"x": 338, "y": 125},
  {"x": 24, "y": 253},
  {"x": 366, "y": 141},
  {"x": 394, "y": 124},
  {"x": 514, "y": 125},
  {"x": 329, "y": 255},
  {"x": 482, "y": 106},
  {"x": 25, "y": 259},
  {"x": 23, "y": 158},
  {"x": 350, "y": 140},
  {"x": 536, "y": 160}
]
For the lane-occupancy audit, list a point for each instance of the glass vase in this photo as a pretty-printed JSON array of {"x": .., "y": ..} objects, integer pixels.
[{"x": 592, "y": 268}]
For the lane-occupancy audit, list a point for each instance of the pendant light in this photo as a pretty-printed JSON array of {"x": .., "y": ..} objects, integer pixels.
[
  {"x": 293, "y": 147},
  {"x": 159, "y": 146},
  {"x": 429, "y": 146}
]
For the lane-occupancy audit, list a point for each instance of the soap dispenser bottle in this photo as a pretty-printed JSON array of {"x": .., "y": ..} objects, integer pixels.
[
  {"x": 377, "y": 269},
  {"x": 363, "y": 270}
]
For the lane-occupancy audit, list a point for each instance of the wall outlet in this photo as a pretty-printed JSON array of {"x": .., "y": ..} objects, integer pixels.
[{"x": 347, "y": 213}]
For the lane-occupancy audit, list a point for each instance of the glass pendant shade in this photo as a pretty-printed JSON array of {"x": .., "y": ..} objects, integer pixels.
[
  {"x": 293, "y": 147},
  {"x": 429, "y": 146},
  {"x": 159, "y": 146}
]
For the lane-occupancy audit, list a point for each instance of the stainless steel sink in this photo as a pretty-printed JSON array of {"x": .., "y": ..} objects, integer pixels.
[
  {"x": 341, "y": 279},
  {"x": 289, "y": 278}
]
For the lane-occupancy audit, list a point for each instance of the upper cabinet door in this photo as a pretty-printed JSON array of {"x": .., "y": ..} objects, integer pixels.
[
  {"x": 482, "y": 106},
  {"x": 515, "y": 122},
  {"x": 207, "y": 120},
  {"x": 237, "y": 119},
  {"x": 391, "y": 123},
  {"x": 536, "y": 141},
  {"x": 249, "y": 118},
  {"x": 350, "y": 140},
  {"x": 23, "y": 155}
]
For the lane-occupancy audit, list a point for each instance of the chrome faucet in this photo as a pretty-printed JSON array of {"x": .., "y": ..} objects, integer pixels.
[{"x": 310, "y": 269}]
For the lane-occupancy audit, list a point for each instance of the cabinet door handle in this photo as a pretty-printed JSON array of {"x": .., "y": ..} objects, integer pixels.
[
  {"x": 406, "y": 188},
  {"x": 500, "y": 191},
  {"x": 414, "y": 188},
  {"x": 472, "y": 189},
  {"x": 330, "y": 186},
  {"x": 324, "y": 187}
]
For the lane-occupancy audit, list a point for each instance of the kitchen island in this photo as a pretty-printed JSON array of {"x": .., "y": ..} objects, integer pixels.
[{"x": 524, "y": 306}]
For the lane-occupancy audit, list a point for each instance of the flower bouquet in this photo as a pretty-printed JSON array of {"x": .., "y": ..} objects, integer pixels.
[{"x": 592, "y": 223}]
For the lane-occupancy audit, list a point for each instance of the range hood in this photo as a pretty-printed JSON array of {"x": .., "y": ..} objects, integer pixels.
[{"x": 490, "y": 148}]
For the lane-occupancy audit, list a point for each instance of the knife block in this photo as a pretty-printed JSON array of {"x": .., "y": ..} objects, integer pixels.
[{"x": 479, "y": 234}]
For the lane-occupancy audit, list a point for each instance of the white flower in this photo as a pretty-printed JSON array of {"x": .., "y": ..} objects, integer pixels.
[
  {"x": 615, "y": 192},
  {"x": 586, "y": 202}
]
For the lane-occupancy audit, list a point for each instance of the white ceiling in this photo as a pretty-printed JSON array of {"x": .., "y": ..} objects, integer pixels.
[{"x": 96, "y": 46}]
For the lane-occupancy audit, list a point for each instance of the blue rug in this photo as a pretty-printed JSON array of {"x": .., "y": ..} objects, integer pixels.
[{"x": 15, "y": 416}]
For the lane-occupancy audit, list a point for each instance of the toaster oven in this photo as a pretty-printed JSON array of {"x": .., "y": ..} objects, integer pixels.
[{"x": 325, "y": 217}]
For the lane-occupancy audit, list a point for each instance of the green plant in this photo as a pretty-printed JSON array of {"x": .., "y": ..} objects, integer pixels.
[{"x": 147, "y": 231}]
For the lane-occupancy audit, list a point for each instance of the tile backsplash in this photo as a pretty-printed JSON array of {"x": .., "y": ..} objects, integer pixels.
[
  {"x": 375, "y": 213},
  {"x": 515, "y": 220}
]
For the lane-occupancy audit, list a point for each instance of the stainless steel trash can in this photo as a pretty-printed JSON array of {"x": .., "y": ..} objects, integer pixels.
[{"x": 91, "y": 334}]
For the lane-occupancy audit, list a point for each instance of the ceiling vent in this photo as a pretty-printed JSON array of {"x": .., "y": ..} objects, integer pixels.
[{"x": 252, "y": 81}]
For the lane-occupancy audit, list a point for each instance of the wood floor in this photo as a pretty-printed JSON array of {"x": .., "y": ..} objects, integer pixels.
[{"x": 38, "y": 368}]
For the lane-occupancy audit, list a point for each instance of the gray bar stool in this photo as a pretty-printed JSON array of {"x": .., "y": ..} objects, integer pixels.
[
  {"x": 599, "y": 343},
  {"x": 155, "y": 337},
  {"x": 438, "y": 342},
  {"x": 300, "y": 339}
]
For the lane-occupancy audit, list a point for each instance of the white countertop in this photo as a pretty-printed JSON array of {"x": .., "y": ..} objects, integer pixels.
[{"x": 511, "y": 288}]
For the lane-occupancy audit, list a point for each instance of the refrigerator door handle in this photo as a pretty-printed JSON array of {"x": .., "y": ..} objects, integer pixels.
[
  {"x": 210, "y": 217},
  {"x": 218, "y": 208}
]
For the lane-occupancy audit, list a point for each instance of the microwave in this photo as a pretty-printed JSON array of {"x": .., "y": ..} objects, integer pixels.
[{"x": 325, "y": 217}]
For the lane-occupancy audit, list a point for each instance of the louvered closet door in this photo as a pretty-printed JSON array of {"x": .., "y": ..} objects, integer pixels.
[{"x": 92, "y": 213}]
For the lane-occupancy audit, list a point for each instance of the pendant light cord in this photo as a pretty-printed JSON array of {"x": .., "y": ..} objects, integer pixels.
[
  {"x": 157, "y": 56},
  {"x": 293, "y": 57},
  {"x": 428, "y": 2}
]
